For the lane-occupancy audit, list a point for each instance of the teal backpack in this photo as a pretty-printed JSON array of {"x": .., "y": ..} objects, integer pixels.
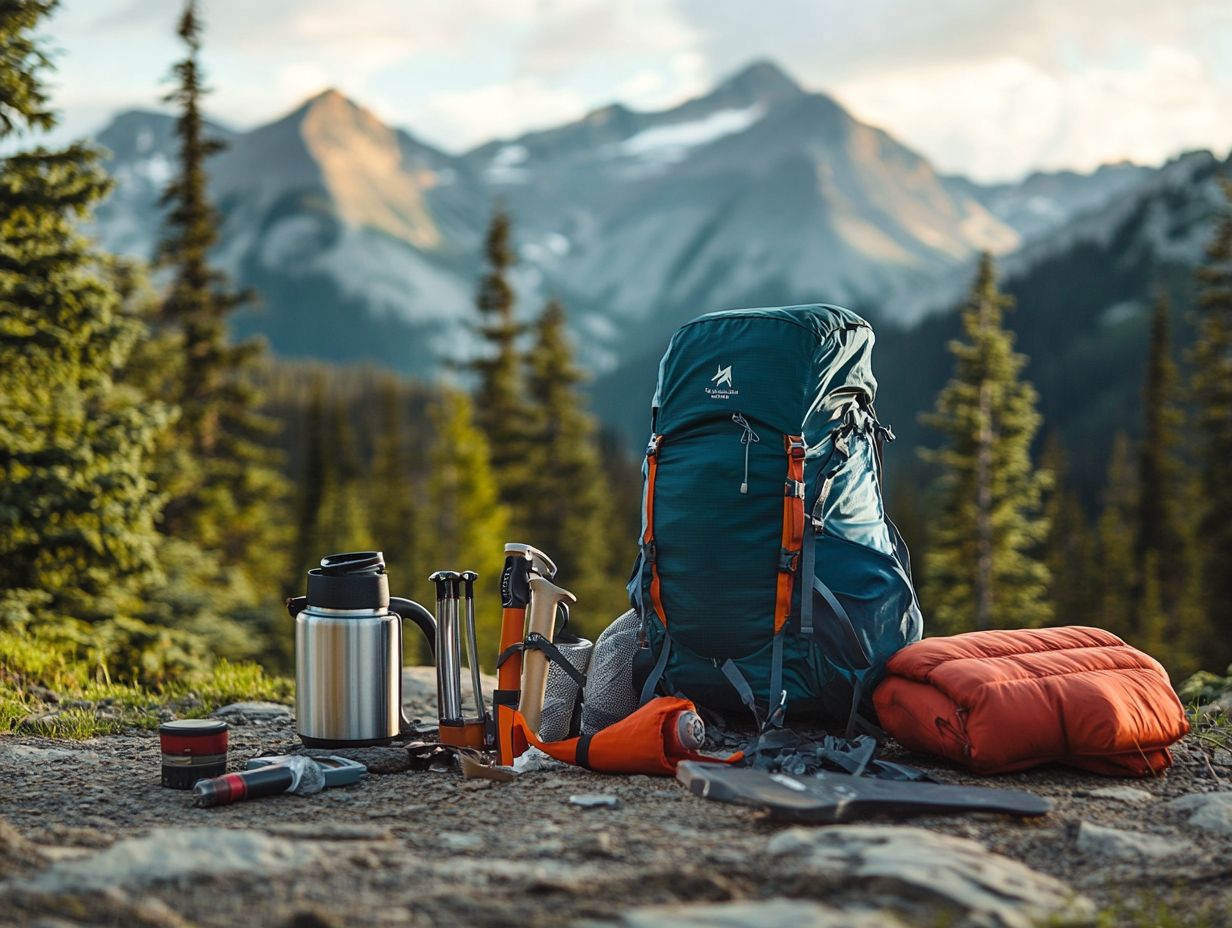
[{"x": 769, "y": 575}]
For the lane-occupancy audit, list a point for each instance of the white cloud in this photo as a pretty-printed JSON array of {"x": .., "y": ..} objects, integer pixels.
[
  {"x": 1001, "y": 117},
  {"x": 468, "y": 117},
  {"x": 990, "y": 87},
  {"x": 571, "y": 34},
  {"x": 642, "y": 88}
]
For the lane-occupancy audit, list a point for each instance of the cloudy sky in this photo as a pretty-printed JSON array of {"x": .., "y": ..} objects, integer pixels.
[{"x": 991, "y": 88}]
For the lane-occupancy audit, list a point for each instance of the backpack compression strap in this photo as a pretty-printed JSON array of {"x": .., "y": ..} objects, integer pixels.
[
  {"x": 648, "y": 541},
  {"x": 793, "y": 528}
]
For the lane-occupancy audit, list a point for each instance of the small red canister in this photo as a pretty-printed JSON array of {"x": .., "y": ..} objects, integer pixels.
[{"x": 193, "y": 749}]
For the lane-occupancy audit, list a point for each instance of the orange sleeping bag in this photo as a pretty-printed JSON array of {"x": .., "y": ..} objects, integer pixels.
[{"x": 999, "y": 701}]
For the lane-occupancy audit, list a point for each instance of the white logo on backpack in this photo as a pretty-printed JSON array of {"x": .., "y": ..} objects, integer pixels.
[{"x": 721, "y": 379}]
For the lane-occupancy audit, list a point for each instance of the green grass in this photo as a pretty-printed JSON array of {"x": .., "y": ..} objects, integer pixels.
[
  {"x": 1176, "y": 909},
  {"x": 48, "y": 688},
  {"x": 1211, "y": 729}
]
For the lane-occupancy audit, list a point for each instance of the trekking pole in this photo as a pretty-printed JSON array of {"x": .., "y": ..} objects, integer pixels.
[
  {"x": 448, "y": 652},
  {"x": 545, "y": 596},
  {"x": 472, "y": 648},
  {"x": 521, "y": 562}
]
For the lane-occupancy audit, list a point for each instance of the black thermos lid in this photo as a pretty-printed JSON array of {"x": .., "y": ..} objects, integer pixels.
[{"x": 354, "y": 580}]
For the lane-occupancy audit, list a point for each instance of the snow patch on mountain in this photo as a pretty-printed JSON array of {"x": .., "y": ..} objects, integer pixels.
[
  {"x": 671, "y": 143},
  {"x": 507, "y": 165}
]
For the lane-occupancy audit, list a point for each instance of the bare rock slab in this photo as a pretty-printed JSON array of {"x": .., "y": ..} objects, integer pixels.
[
  {"x": 16, "y": 852},
  {"x": 928, "y": 875},
  {"x": 171, "y": 853},
  {"x": 254, "y": 713},
  {"x": 1129, "y": 794},
  {"x": 1124, "y": 845},
  {"x": 771, "y": 913},
  {"x": 1209, "y": 811}
]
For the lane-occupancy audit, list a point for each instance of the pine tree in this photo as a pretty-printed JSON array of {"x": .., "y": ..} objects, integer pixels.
[
  {"x": 501, "y": 411},
  {"x": 1152, "y": 633},
  {"x": 392, "y": 510},
  {"x": 1163, "y": 546},
  {"x": 342, "y": 524},
  {"x": 226, "y": 493},
  {"x": 981, "y": 570},
  {"x": 569, "y": 514},
  {"x": 310, "y": 488},
  {"x": 394, "y": 516},
  {"x": 1212, "y": 392},
  {"x": 1069, "y": 546},
  {"x": 465, "y": 521},
  {"x": 77, "y": 503},
  {"x": 1118, "y": 575}
]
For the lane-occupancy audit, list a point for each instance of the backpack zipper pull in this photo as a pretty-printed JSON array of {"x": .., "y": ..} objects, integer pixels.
[{"x": 747, "y": 437}]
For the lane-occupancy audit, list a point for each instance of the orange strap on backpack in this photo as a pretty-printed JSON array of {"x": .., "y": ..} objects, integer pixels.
[{"x": 793, "y": 528}]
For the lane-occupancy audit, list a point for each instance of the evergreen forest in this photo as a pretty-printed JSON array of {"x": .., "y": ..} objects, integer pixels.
[{"x": 164, "y": 487}]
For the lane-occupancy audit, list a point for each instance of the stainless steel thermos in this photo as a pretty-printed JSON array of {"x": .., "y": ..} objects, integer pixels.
[{"x": 348, "y": 652}]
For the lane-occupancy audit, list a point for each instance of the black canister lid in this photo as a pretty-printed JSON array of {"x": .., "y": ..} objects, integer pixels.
[
  {"x": 355, "y": 580},
  {"x": 177, "y": 776},
  {"x": 193, "y": 728}
]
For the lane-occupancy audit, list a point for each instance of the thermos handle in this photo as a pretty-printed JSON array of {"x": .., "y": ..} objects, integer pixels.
[
  {"x": 409, "y": 609},
  {"x": 296, "y": 605}
]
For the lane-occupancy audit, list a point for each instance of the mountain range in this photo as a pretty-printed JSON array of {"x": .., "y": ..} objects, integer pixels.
[{"x": 364, "y": 241}]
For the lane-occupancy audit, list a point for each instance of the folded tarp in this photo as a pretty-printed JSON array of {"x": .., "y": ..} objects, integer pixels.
[{"x": 999, "y": 701}]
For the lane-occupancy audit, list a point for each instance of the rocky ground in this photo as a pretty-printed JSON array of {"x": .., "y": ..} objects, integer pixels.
[{"x": 88, "y": 837}]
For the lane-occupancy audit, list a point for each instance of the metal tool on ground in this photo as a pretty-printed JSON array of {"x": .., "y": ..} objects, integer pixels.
[
  {"x": 295, "y": 774},
  {"x": 348, "y": 652},
  {"x": 339, "y": 771},
  {"x": 455, "y": 729},
  {"x": 545, "y": 596},
  {"x": 521, "y": 563},
  {"x": 828, "y": 798}
]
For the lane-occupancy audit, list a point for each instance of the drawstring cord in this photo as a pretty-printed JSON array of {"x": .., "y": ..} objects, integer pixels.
[{"x": 747, "y": 438}]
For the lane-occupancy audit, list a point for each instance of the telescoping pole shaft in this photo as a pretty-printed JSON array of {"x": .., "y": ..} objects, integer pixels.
[
  {"x": 448, "y": 650},
  {"x": 472, "y": 644}
]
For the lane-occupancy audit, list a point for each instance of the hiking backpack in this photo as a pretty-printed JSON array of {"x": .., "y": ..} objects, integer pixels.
[{"x": 769, "y": 575}]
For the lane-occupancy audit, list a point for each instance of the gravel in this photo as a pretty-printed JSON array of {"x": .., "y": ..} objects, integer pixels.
[{"x": 88, "y": 837}]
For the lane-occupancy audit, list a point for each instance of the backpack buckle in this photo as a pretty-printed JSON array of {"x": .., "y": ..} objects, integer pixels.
[
  {"x": 789, "y": 561},
  {"x": 794, "y": 489},
  {"x": 652, "y": 448},
  {"x": 796, "y": 448}
]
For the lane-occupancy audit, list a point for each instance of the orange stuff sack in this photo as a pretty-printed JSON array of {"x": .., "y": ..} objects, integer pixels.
[
  {"x": 999, "y": 701},
  {"x": 638, "y": 743}
]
